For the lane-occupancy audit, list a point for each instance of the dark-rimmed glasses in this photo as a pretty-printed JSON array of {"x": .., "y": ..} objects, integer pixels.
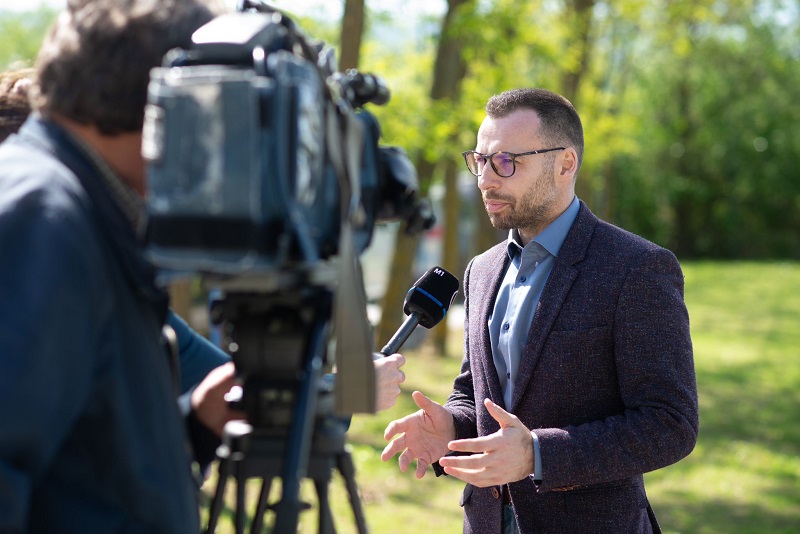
[{"x": 503, "y": 163}]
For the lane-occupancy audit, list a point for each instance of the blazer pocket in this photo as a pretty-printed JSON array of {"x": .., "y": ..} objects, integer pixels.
[{"x": 605, "y": 500}]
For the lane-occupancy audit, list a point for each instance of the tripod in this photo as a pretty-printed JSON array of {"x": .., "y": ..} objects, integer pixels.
[
  {"x": 244, "y": 455},
  {"x": 292, "y": 434}
]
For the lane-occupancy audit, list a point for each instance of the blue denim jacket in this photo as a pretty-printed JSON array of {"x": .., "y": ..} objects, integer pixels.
[{"x": 91, "y": 438}]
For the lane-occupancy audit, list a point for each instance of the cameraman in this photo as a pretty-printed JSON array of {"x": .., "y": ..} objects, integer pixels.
[
  {"x": 91, "y": 439},
  {"x": 96, "y": 442}
]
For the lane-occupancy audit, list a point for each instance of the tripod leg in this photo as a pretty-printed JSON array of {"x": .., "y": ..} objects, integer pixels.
[
  {"x": 348, "y": 470},
  {"x": 241, "y": 513},
  {"x": 216, "y": 505},
  {"x": 258, "y": 518},
  {"x": 325, "y": 516}
]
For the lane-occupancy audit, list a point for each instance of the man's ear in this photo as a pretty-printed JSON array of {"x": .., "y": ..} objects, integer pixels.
[{"x": 568, "y": 162}]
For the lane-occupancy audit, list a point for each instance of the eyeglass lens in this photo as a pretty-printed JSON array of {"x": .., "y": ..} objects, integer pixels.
[{"x": 502, "y": 163}]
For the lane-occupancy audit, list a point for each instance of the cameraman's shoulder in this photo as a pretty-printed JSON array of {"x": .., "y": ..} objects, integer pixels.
[{"x": 32, "y": 177}]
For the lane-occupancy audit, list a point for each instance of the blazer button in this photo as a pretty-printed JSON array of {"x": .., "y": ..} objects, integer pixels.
[{"x": 495, "y": 493}]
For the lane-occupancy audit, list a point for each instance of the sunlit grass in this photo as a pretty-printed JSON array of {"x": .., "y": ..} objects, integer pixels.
[{"x": 743, "y": 476}]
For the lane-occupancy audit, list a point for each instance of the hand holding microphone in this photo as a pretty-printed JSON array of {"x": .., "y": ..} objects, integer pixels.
[{"x": 426, "y": 303}]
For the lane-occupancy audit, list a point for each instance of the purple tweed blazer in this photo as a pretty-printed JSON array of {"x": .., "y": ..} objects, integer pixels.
[{"x": 607, "y": 382}]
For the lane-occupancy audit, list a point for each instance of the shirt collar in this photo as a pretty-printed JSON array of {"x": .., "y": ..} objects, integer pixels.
[
  {"x": 551, "y": 238},
  {"x": 130, "y": 202}
]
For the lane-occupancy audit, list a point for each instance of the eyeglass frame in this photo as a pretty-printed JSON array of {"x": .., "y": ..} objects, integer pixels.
[{"x": 514, "y": 157}]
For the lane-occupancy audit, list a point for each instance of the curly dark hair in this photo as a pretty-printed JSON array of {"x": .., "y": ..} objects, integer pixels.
[
  {"x": 14, "y": 105},
  {"x": 560, "y": 122},
  {"x": 94, "y": 65}
]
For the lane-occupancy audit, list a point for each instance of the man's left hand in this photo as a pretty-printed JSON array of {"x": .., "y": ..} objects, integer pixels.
[{"x": 499, "y": 458}]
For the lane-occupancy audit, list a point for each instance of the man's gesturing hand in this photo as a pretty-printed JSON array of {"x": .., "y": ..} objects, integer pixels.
[
  {"x": 502, "y": 457},
  {"x": 423, "y": 435}
]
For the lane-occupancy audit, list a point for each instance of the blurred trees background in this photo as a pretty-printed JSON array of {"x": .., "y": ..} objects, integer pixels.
[{"x": 690, "y": 109}]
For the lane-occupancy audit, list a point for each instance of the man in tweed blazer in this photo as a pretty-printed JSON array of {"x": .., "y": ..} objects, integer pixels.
[{"x": 578, "y": 374}]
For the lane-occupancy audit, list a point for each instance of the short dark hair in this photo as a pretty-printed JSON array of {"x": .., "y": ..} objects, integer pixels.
[
  {"x": 560, "y": 122},
  {"x": 94, "y": 65},
  {"x": 14, "y": 105}
]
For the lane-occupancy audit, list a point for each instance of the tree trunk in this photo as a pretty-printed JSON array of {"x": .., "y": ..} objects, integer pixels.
[
  {"x": 571, "y": 81},
  {"x": 449, "y": 70},
  {"x": 352, "y": 34},
  {"x": 450, "y": 256}
]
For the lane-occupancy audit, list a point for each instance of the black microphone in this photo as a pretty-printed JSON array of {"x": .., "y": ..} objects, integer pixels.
[{"x": 426, "y": 304}]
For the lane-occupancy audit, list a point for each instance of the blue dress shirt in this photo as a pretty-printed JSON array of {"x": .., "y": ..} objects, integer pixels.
[{"x": 518, "y": 298}]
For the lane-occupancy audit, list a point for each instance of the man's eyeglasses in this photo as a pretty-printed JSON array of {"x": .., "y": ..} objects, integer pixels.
[{"x": 503, "y": 163}]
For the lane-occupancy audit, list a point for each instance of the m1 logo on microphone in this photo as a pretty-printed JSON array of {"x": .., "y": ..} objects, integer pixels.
[{"x": 438, "y": 271}]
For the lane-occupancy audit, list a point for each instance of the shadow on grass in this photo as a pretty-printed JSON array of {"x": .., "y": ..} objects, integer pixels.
[
  {"x": 736, "y": 404},
  {"x": 716, "y": 516}
]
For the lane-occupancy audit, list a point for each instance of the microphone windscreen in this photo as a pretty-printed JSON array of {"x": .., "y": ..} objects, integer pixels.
[{"x": 431, "y": 296}]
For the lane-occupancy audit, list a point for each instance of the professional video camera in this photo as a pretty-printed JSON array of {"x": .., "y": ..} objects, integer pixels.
[
  {"x": 257, "y": 153},
  {"x": 266, "y": 178}
]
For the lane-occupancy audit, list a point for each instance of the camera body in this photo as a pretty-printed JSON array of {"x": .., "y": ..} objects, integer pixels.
[
  {"x": 265, "y": 177},
  {"x": 258, "y": 150}
]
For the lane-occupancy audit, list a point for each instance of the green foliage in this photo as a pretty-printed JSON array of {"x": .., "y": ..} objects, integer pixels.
[
  {"x": 689, "y": 107},
  {"x": 689, "y": 110},
  {"x": 719, "y": 133},
  {"x": 21, "y": 36}
]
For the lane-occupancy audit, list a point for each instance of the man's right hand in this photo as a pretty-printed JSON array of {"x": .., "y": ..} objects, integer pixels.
[{"x": 423, "y": 435}]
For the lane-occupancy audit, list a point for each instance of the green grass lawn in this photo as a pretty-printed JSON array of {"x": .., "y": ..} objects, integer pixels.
[{"x": 744, "y": 474}]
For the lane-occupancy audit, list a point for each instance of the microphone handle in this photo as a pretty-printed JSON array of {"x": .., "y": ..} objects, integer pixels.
[{"x": 402, "y": 334}]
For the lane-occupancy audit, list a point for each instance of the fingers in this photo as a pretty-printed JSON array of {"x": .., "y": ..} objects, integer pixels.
[
  {"x": 397, "y": 359},
  {"x": 388, "y": 378},
  {"x": 394, "y": 447},
  {"x": 471, "y": 462},
  {"x": 405, "y": 460},
  {"x": 422, "y": 401},
  {"x": 481, "y": 444},
  {"x": 393, "y": 428},
  {"x": 422, "y": 467},
  {"x": 499, "y": 414}
]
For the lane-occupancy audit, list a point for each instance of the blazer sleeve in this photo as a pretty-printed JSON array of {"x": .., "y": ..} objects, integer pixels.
[
  {"x": 652, "y": 353},
  {"x": 49, "y": 277},
  {"x": 461, "y": 402}
]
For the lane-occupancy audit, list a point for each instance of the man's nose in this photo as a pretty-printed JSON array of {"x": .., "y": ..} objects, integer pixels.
[{"x": 488, "y": 179}]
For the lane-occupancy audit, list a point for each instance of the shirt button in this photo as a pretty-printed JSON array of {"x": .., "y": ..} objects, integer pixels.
[
  {"x": 495, "y": 493},
  {"x": 508, "y": 375},
  {"x": 506, "y": 327},
  {"x": 522, "y": 280}
]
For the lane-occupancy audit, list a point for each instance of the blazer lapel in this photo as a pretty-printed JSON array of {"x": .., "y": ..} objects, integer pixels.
[
  {"x": 553, "y": 296},
  {"x": 491, "y": 276}
]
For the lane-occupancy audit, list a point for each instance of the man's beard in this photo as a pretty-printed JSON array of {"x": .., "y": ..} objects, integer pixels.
[{"x": 533, "y": 210}]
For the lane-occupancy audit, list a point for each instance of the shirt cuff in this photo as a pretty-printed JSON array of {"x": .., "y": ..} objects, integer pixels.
[{"x": 537, "y": 459}]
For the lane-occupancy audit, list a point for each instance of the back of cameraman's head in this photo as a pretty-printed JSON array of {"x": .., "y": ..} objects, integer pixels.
[{"x": 94, "y": 65}]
